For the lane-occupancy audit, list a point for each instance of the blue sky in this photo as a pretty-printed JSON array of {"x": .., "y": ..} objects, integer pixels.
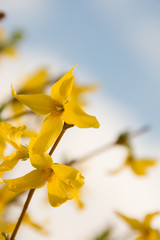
[{"x": 116, "y": 41}]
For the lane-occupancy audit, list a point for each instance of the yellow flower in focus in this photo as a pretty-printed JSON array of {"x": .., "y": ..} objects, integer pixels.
[
  {"x": 62, "y": 181},
  {"x": 12, "y": 136},
  {"x": 144, "y": 228},
  {"x": 59, "y": 108}
]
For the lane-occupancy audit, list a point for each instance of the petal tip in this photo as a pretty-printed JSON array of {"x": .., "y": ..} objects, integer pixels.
[{"x": 12, "y": 91}]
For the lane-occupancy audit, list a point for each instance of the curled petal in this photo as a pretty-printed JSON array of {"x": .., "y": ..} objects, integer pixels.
[
  {"x": 41, "y": 104},
  {"x": 61, "y": 90},
  {"x": 73, "y": 114},
  {"x": 32, "y": 180},
  {"x": 11, "y": 134}
]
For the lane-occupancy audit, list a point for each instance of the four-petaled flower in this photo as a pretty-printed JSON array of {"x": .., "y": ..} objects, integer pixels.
[
  {"x": 59, "y": 107},
  {"x": 144, "y": 228},
  {"x": 63, "y": 181},
  {"x": 12, "y": 135}
]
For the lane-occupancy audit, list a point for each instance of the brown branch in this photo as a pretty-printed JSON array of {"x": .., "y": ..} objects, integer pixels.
[{"x": 104, "y": 148}]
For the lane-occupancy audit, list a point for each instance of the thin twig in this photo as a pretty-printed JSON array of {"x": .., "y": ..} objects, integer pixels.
[
  {"x": 104, "y": 148},
  {"x": 29, "y": 197}
]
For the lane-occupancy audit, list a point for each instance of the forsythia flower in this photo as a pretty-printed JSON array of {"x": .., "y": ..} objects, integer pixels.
[
  {"x": 6, "y": 198},
  {"x": 12, "y": 136},
  {"x": 138, "y": 166},
  {"x": 62, "y": 181},
  {"x": 8, "y": 44},
  {"x": 8, "y": 227},
  {"x": 144, "y": 228},
  {"x": 32, "y": 85},
  {"x": 59, "y": 107},
  {"x": 78, "y": 90}
]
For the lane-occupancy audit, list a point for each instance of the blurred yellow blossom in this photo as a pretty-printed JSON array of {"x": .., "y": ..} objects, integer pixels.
[
  {"x": 138, "y": 165},
  {"x": 12, "y": 136},
  {"x": 78, "y": 92},
  {"x": 32, "y": 85},
  {"x": 6, "y": 197},
  {"x": 8, "y": 43},
  {"x": 144, "y": 228},
  {"x": 8, "y": 227}
]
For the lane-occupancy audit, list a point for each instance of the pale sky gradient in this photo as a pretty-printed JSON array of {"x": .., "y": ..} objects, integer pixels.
[{"x": 115, "y": 42}]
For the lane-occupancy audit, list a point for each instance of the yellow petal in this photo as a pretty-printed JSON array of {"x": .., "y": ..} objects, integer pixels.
[
  {"x": 61, "y": 90},
  {"x": 41, "y": 104},
  {"x": 6, "y": 227},
  {"x": 10, "y": 162},
  {"x": 11, "y": 134},
  {"x": 41, "y": 161},
  {"x": 78, "y": 92},
  {"x": 29, "y": 133},
  {"x": 33, "y": 224},
  {"x": 32, "y": 180},
  {"x": 35, "y": 83},
  {"x": 58, "y": 192},
  {"x": 69, "y": 175},
  {"x": 73, "y": 114},
  {"x": 133, "y": 223},
  {"x": 17, "y": 107},
  {"x": 51, "y": 129},
  {"x": 2, "y": 147},
  {"x": 140, "y": 166},
  {"x": 6, "y": 197},
  {"x": 148, "y": 218},
  {"x": 64, "y": 184}
]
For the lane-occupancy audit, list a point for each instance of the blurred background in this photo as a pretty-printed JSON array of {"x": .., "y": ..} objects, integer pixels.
[{"x": 115, "y": 44}]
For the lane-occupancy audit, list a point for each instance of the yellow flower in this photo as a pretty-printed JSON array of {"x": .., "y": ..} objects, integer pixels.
[
  {"x": 138, "y": 166},
  {"x": 8, "y": 43},
  {"x": 6, "y": 198},
  {"x": 12, "y": 136},
  {"x": 32, "y": 85},
  {"x": 62, "y": 181},
  {"x": 59, "y": 108},
  {"x": 8, "y": 227},
  {"x": 78, "y": 91},
  {"x": 144, "y": 228}
]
